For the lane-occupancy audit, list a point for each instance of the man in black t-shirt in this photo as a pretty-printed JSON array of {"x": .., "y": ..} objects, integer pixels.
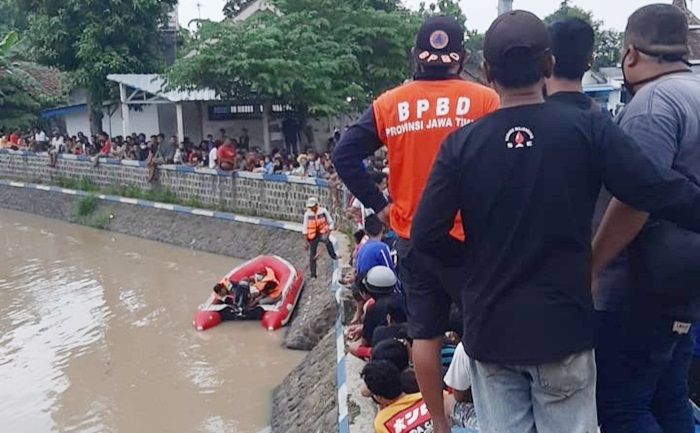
[
  {"x": 525, "y": 179},
  {"x": 572, "y": 47},
  {"x": 573, "y": 41}
]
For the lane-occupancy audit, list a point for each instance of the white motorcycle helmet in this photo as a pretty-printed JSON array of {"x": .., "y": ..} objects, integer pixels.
[{"x": 380, "y": 280}]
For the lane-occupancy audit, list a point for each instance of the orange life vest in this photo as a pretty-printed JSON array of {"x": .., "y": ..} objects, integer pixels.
[
  {"x": 315, "y": 224},
  {"x": 412, "y": 121},
  {"x": 269, "y": 277}
]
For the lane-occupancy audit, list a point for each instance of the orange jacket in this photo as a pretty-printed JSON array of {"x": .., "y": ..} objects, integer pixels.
[
  {"x": 269, "y": 277},
  {"x": 316, "y": 223},
  {"x": 412, "y": 121}
]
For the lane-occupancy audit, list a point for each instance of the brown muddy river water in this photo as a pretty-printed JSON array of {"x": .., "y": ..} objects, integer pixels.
[{"x": 96, "y": 336}]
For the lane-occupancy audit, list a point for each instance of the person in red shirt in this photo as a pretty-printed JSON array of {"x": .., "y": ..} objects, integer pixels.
[
  {"x": 412, "y": 121},
  {"x": 106, "y": 148},
  {"x": 14, "y": 138},
  {"x": 226, "y": 155}
]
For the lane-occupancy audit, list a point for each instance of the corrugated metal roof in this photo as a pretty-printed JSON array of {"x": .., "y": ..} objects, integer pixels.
[
  {"x": 62, "y": 111},
  {"x": 155, "y": 85}
]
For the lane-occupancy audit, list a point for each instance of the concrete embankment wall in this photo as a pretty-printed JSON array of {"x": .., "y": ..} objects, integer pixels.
[
  {"x": 309, "y": 393},
  {"x": 272, "y": 196}
]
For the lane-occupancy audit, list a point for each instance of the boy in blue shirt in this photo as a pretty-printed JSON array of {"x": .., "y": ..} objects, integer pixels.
[{"x": 374, "y": 252}]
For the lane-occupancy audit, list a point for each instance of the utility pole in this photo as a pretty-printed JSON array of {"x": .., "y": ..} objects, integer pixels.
[
  {"x": 504, "y": 6},
  {"x": 199, "y": 10}
]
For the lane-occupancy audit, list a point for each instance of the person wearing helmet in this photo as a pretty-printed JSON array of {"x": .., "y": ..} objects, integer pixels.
[
  {"x": 380, "y": 284},
  {"x": 317, "y": 226}
]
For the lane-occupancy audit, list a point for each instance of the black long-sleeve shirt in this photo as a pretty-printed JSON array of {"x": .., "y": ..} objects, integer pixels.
[
  {"x": 359, "y": 142},
  {"x": 526, "y": 180}
]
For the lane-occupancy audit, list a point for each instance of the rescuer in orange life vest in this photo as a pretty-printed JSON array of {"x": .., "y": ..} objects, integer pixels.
[
  {"x": 412, "y": 121},
  {"x": 317, "y": 227},
  {"x": 268, "y": 287}
]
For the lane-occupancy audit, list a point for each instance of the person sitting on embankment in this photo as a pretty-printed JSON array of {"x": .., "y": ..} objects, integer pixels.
[{"x": 398, "y": 411}]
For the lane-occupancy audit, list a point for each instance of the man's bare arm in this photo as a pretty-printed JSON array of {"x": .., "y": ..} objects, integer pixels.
[{"x": 620, "y": 225}]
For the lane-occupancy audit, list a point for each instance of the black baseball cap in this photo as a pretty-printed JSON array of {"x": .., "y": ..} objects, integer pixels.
[
  {"x": 440, "y": 41},
  {"x": 518, "y": 33}
]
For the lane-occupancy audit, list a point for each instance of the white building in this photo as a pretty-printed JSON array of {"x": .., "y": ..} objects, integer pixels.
[
  {"x": 606, "y": 88},
  {"x": 145, "y": 106}
]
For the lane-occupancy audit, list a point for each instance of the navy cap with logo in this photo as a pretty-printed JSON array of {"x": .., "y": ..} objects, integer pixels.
[
  {"x": 516, "y": 33},
  {"x": 440, "y": 41}
]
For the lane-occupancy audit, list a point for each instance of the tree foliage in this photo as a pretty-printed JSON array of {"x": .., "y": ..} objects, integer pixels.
[
  {"x": 608, "y": 42},
  {"x": 20, "y": 95},
  {"x": 12, "y": 17},
  {"x": 448, "y": 8},
  {"x": 91, "y": 39},
  {"x": 608, "y": 48},
  {"x": 322, "y": 56}
]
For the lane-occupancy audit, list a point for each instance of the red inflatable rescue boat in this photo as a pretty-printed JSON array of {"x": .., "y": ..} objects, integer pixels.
[{"x": 276, "y": 315}]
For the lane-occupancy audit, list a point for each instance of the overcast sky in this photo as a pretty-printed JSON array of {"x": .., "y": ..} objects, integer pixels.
[{"x": 480, "y": 13}]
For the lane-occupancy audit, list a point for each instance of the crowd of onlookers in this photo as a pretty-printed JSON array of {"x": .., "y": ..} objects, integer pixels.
[
  {"x": 378, "y": 334},
  {"x": 224, "y": 152},
  {"x": 378, "y": 331}
]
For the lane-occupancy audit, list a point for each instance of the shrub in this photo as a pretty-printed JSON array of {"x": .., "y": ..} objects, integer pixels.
[{"x": 86, "y": 206}]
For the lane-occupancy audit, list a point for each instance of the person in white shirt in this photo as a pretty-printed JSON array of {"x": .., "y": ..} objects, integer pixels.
[
  {"x": 358, "y": 210},
  {"x": 213, "y": 156},
  {"x": 460, "y": 406},
  {"x": 317, "y": 226},
  {"x": 57, "y": 142},
  {"x": 178, "y": 158},
  {"x": 40, "y": 138}
]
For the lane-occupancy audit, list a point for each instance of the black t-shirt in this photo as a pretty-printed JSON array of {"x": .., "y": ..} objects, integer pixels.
[
  {"x": 376, "y": 316},
  {"x": 391, "y": 332},
  {"x": 584, "y": 102},
  {"x": 526, "y": 180}
]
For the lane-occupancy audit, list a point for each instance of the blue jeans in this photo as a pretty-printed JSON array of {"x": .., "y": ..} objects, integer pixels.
[
  {"x": 642, "y": 374},
  {"x": 557, "y": 397}
]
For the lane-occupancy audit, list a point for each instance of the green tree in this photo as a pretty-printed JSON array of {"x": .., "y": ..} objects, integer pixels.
[
  {"x": 322, "y": 56},
  {"x": 90, "y": 39},
  {"x": 12, "y": 17},
  {"x": 448, "y": 8},
  {"x": 608, "y": 47},
  {"x": 566, "y": 10},
  {"x": 21, "y": 95},
  {"x": 607, "y": 42},
  {"x": 474, "y": 44}
]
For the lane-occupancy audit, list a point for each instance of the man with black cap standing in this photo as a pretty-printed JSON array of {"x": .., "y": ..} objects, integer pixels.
[
  {"x": 412, "y": 121},
  {"x": 525, "y": 179},
  {"x": 648, "y": 299}
]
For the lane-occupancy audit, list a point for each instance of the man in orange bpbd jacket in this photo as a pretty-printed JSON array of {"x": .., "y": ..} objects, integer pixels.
[{"x": 412, "y": 121}]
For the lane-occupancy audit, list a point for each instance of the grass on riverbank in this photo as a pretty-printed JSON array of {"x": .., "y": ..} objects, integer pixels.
[
  {"x": 86, "y": 213},
  {"x": 156, "y": 194},
  {"x": 161, "y": 195}
]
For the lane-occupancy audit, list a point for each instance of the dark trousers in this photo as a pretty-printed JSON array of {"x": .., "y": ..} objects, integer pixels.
[
  {"x": 292, "y": 145},
  {"x": 431, "y": 289},
  {"x": 643, "y": 374},
  {"x": 242, "y": 296},
  {"x": 232, "y": 313},
  {"x": 694, "y": 380},
  {"x": 313, "y": 248}
]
